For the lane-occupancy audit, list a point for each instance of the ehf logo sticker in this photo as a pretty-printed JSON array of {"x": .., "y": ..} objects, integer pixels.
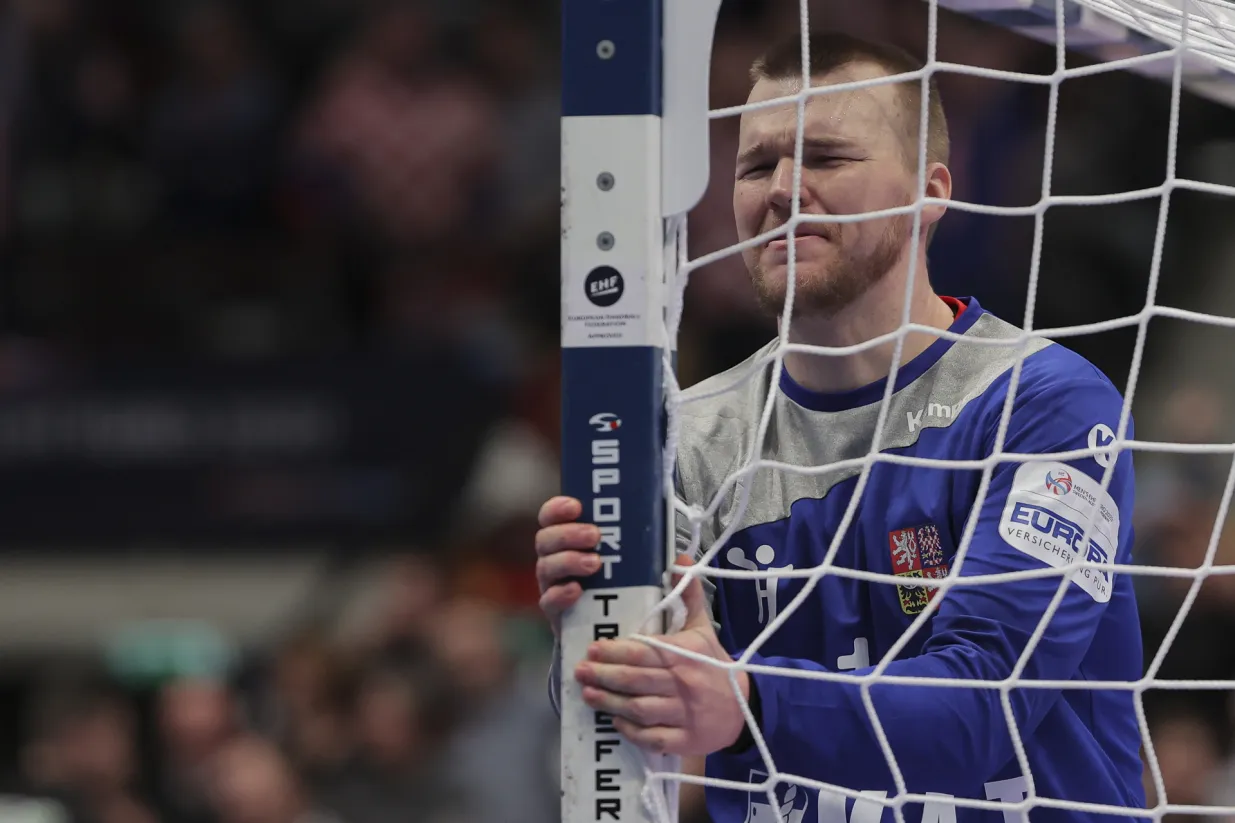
[
  {"x": 1058, "y": 483},
  {"x": 604, "y": 286},
  {"x": 605, "y": 422},
  {"x": 917, "y": 552},
  {"x": 791, "y": 803}
]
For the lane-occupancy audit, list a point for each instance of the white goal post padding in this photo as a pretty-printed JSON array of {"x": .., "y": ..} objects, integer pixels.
[{"x": 1189, "y": 45}]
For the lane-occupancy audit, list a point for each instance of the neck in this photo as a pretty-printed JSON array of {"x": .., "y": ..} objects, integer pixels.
[{"x": 875, "y": 313}]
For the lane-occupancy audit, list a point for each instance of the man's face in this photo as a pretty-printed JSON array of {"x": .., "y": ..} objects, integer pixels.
[{"x": 853, "y": 160}]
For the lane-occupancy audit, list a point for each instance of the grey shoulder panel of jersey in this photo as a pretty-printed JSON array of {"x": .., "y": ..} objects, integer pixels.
[{"x": 720, "y": 420}]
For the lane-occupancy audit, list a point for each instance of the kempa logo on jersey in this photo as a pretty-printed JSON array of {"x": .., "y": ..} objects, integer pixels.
[
  {"x": 606, "y": 479},
  {"x": 604, "y": 286},
  {"x": 933, "y": 411},
  {"x": 1101, "y": 435}
]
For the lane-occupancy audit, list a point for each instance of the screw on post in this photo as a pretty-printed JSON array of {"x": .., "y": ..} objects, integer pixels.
[
  {"x": 604, "y": 241},
  {"x": 605, "y": 49},
  {"x": 604, "y": 181}
]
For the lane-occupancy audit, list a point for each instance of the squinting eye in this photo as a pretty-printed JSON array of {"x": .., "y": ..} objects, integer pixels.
[{"x": 755, "y": 170}]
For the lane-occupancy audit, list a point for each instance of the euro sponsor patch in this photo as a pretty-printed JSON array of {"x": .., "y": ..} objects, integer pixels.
[{"x": 1062, "y": 516}]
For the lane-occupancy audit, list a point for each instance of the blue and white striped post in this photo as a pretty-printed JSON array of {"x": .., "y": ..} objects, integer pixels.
[{"x": 628, "y": 116}]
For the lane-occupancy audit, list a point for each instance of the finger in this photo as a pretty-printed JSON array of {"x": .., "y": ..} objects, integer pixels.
[
  {"x": 559, "y": 510},
  {"x": 698, "y": 610},
  {"x": 628, "y": 680},
  {"x": 627, "y": 653},
  {"x": 558, "y": 599},
  {"x": 553, "y": 539},
  {"x": 684, "y": 561},
  {"x": 655, "y": 739},
  {"x": 641, "y": 711},
  {"x": 563, "y": 566}
]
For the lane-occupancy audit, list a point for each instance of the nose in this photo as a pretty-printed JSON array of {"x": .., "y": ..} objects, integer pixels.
[{"x": 780, "y": 193}]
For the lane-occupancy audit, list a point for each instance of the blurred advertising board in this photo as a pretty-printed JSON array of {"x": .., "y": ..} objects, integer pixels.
[{"x": 318, "y": 451}]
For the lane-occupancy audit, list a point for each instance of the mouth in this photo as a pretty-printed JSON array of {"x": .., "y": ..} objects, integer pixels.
[
  {"x": 805, "y": 233},
  {"x": 801, "y": 242}
]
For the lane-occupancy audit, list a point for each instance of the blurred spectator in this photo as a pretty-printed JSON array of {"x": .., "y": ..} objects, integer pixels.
[
  {"x": 416, "y": 588},
  {"x": 466, "y": 637},
  {"x": 309, "y": 706},
  {"x": 1166, "y": 482},
  {"x": 452, "y": 294},
  {"x": 196, "y": 718},
  {"x": 253, "y": 783},
  {"x": 408, "y": 141},
  {"x": 396, "y": 614},
  {"x": 212, "y": 134},
  {"x": 1188, "y": 752},
  {"x": 404, "y": 712},
  {"x": 76, "y": 134},
  {"x": 506, "y": 747},
  {"x": 85, "y": 755},
  {"x": 522, "y": 76}
]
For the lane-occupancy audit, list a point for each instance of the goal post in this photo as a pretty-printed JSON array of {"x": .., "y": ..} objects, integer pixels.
[{"x": 634, "y": 137}]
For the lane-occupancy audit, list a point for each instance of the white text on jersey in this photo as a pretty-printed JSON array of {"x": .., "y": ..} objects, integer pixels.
[{"x": 932, "y": 410}]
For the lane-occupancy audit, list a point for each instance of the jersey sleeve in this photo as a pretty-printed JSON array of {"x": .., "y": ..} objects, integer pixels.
[{"x": 1040, "y": 515}]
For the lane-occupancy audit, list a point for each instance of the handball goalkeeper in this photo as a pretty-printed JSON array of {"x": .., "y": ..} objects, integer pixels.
[{"x": 1039, "y": 517}]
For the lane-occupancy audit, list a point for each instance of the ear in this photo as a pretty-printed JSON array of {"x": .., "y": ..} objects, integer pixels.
[{"x": 939, "y": 186}]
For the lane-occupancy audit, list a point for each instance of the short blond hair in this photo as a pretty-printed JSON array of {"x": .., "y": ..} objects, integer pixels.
[{"x": 830, "y": 51}]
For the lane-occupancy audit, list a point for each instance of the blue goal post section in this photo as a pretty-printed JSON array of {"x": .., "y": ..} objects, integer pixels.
[{"x": 634, "y": 154}]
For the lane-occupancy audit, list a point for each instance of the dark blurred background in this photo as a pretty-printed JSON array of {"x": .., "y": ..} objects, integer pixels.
[{"x": 279, "y": 386}]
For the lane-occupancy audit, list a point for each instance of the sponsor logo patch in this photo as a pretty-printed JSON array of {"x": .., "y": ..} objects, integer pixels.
[{"x": 1061, "y": 516}]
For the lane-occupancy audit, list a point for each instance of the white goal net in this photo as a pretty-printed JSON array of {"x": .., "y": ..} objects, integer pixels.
[{"x": 742, "y": 487}]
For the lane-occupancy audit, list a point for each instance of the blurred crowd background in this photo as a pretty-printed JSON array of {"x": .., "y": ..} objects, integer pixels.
[{"x": 279, "y": 386}]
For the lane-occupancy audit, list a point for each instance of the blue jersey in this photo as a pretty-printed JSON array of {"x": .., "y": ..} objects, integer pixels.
[{"x": 1038, "y": 517}]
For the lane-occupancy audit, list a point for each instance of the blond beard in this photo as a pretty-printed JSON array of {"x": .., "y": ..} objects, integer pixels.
[{"x": 827, "y": 293}]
